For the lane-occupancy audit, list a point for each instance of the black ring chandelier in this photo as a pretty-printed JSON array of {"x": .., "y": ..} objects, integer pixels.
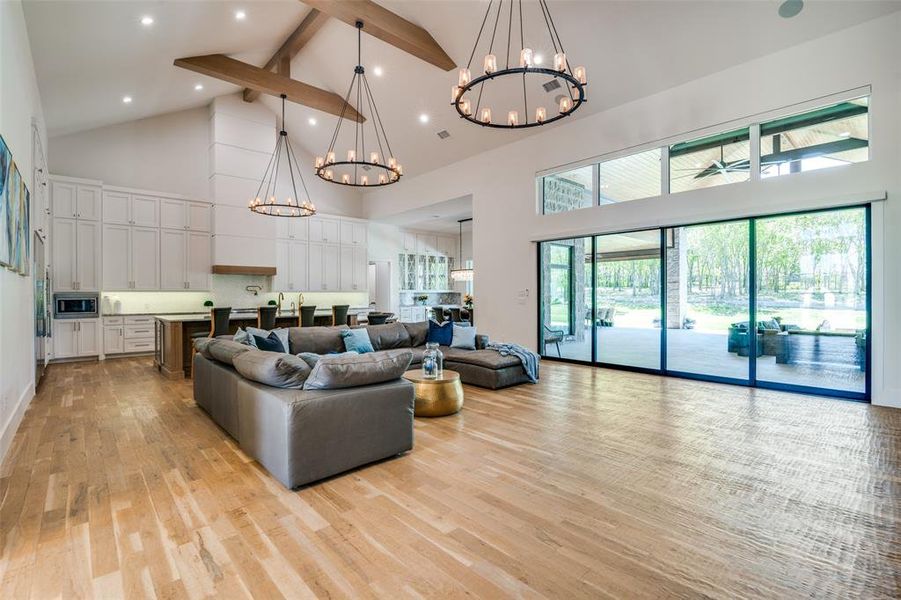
[
  {"x": 572, "y": 81},
  {"x": 381, "y": 168},
  {"x": 266, "y": 201}
]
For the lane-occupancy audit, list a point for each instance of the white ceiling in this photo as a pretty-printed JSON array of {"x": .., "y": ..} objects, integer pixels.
[
  {"x": 88, "y": 54},
  {"x": 441, "y": 217}
]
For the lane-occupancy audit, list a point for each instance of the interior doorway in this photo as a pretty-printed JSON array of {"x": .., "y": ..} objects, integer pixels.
[{"x": 379, "y": 279}]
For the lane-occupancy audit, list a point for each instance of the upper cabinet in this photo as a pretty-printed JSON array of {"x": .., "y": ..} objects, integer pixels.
[
  {"x": 292, "y": 229},
  {"x": 75, "y": 200},
  {"x": 130, "y": 209},
  {"x": 187, "y": 216},
  {"x": 354, "y": 233},
  {"x": 325, "y": 230}
]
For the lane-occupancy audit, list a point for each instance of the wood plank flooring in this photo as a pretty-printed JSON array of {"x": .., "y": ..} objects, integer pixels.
[{"x": 592, "y": 484}]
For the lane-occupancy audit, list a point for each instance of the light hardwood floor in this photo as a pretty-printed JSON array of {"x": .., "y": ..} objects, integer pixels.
[{"x": 594, "y": 483}]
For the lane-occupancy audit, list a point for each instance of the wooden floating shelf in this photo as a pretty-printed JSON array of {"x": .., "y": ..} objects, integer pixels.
[{"x": 242, "y": 270}]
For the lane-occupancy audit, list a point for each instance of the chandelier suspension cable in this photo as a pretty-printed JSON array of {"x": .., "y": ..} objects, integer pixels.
[
  {"x": 360, "y": 160},
  {"x": 474, "y": 89}
]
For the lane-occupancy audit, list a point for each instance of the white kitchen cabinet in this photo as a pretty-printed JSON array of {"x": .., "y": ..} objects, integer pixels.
[
  {"x": 293, "y": 229},
  {"x": 292, "y": 267},
  {"x": 87, "y": 256},
  {"x": 113, "y": 339},
  {"x": 281, "y": 281},
  {"x": 353, "y": 272},
  {"x": 62, "y": 199},
  {"x": 199, "y": 216},
  {"x": 324, "y": 229},
  {"x": 353, "y": 233},
  {"x": 346, "y": 271},
  {"x": 87, "y": 202},
  {"x": 116, "y": 253},
  {"x": 324, "y": 267},
  {"x": 145, "y": 211},
  {"x": 64, "y": 256},
  {"x": 76, "y": 337},
  {"x": 426, "y": 243},
  {"x": 173, "y": 214},
  {"x": 145, "y": 258},
  {"x": 299, "y": 265},
  {"x": 409, "y": 242},
  {"x": 116, "y": 209},
  {"x": 199, "y": 260},
  {"x": 447, "y": 246},
  {"x": 173, "y": 259}
]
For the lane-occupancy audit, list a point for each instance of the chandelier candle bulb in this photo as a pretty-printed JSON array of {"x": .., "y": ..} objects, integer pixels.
[
  {"x": 345, "y": 178},
  {"x": 319, "y": 161},
  {"x": 490, "y": 63},
  {"x": 485, "y": 116},
  {"x": 383, "y": 179},
  {"x": 540, "y": 114},
  {"x": 364, "y": 180},
  {"x": 465, "y": 106},
  {"x": 579, "y": 73},
  {"x": 330, "y": 158},
  {"x": 374, "y": 158},
  {"x": 465, "y": 78},
  {"x": 525, "y": 57},
  {"x": 560, "y": 61},
  {"x": 513, "y": 117},
  {"x": 392, "y": 162},
  {"x": 565, "y": 105},
  {"x": 329, "y": 175},
  {"x": 400, "y": 169},
  {"x": 351, "y": 155},
  {"x": 455, "y": 90}
]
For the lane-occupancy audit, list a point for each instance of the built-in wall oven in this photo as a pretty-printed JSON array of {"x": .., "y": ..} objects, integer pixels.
[{"x": 75, "y": 305}]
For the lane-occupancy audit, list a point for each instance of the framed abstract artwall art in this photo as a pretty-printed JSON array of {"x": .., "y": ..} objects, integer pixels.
[{"x": 15, "y": 214}]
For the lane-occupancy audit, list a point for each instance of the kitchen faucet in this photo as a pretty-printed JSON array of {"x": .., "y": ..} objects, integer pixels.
[{"x": 281, "y": 296}]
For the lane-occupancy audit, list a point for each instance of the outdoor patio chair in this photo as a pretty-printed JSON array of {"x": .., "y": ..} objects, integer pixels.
[{"x": 553, "y": 336}]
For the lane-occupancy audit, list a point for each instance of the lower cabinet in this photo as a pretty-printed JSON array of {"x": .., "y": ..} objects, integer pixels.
[
  {"x": 128, "y": 334},
  {"x": 113, "y": 339},
  {"x": 76, "y": 337}
]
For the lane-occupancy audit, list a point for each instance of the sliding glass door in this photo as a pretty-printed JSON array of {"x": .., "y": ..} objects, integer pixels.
[
  {"x": 627, "y": 306},
  {"x": 707, "y": 300},
  {"x": 812, "y": 299},
  {"x": 779, "y": 301}
]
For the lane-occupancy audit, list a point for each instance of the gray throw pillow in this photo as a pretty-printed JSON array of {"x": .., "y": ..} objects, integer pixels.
[
  {"x": 273, "y": 368},
  {"x": 242, "y": 337},
  {"x": 202, "y": 345},
  {"x": 352, "y": 369},
  {"x": 281, "y": 332},
  {"x": 225, "y": 350},
  {"x": 418, "y": 332},
  {"x": 464, "y": 338}
]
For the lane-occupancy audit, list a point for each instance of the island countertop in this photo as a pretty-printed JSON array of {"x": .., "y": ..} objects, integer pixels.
[{"x": 247, "y": 315}]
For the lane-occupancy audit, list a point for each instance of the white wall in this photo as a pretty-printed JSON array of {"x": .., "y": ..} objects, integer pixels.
[
  {"x": 502, "y": 181},
  {"x": 19, "y": 104},
  {"x": 168, "y": 153}
]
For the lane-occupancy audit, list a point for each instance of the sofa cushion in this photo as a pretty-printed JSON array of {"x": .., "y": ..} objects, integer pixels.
[
  {"x": 202, "y": 345},
  {"x": 335, "y": 372},
  {"x": 242, "y": 337},
  {"x": 269, "y": 343},
  {"x": 489, "y": 359},
  {"x": 418, "y": 332},
  {"x": 464, "y": 337},
  {"x": 273, "y": 368},
  {"x": 225, "y": 350},
  {"x": 357, "y": 340},
  {"x": 389, "y": 336},
  {"x": 441, "y": 333},
  {"x": 417, "y": 355},
  {"x": 320, "y": 340}
]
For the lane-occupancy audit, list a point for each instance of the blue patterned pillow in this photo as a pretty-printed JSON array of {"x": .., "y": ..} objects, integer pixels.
[
  {"x": 441, "y": 334},
  {"x": 270, "y": 343},
  {"x": 357, "y": 340}
]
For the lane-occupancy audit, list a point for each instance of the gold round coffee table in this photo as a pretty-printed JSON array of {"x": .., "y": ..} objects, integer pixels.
[{"x": 436, "y": 397}]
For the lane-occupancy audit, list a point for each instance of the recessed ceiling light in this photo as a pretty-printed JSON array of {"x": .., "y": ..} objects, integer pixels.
[
  {"x": 240, "y": 15},
  {"x": 198, "y": 87},
  {"x": 790, "y": 8},
  {"x": 311, "y": 121},
  {"x": 845, "y": 134},
  {"x": 126, "y": 99},
  {"x": 147, "y": 20},
  {"x": 537, "y": 59},
  {"x": 378, "y": 71},
  {"x": 423, "y": 118}
]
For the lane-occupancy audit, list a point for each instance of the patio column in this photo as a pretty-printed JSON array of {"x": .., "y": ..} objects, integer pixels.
[{"x": 676, "y": 280}]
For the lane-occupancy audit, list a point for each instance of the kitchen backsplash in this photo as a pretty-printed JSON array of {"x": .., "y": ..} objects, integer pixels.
[
  {"x": 435, "y": 298},
  {"x": 227, "y": 290}
]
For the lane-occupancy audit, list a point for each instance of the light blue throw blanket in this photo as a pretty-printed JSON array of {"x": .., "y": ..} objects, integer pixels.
[{"x": 528, "y": 358}]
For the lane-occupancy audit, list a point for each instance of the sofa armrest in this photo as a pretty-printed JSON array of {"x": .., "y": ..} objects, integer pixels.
[{"x": 482, "y": 341}]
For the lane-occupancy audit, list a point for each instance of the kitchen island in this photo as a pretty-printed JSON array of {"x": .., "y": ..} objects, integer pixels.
[{"x": 172, "y": 351}]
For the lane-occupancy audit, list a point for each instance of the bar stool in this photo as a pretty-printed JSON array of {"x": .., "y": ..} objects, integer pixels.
[
  {"x": 307, "y": 316},
  {"x": 379, "y": 318},
  {"x": 455, "y": 315},
  {"x": 438, "y": 312},
  {"x": 219, "y": 318},
  {"x": 266, "y": 317},
  {"x": 339, "y": 314}
]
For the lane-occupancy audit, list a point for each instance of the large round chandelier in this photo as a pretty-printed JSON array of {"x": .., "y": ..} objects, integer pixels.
[
  {"x": 365, "y": 166},
  {"x": 267, "y": 200},
  {"x": 472, "y": 97}
]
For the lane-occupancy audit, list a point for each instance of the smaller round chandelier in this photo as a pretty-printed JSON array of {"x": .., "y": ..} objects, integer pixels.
[
  {"x": 510, "y": 85},
  {"x": 365, "y": 166},
  {"x": 267, "y": 201}
]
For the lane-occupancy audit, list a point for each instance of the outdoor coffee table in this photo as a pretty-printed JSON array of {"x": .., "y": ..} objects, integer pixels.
[{"x": 436, "y": 397}]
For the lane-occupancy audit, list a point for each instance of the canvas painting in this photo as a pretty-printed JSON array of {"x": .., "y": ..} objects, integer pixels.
[
  {"x": 23, "y": 239},
  {"x": 5, "y": 162}
]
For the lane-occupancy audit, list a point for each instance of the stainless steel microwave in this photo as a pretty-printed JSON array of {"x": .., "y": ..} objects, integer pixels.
[{"x": 75, "y": 305}]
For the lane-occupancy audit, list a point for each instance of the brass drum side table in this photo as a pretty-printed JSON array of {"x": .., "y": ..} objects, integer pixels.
[{"x": 436, "y": 397}]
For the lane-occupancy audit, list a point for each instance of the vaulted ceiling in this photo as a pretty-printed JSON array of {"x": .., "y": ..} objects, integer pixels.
[{"x": 89, "y": 54}]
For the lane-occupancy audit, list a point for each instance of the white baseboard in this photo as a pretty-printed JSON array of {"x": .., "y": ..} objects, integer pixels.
[{"x": 12, "y": 425}]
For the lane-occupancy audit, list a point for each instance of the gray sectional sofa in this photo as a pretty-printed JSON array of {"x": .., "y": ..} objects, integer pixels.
[{"x": 302, "y": 435}]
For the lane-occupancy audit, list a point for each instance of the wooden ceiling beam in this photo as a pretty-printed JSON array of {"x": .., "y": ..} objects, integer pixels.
[
  {"x": 388, "y": 27},
  {"x": 240, "y": 73},
  {"x": 301, "y": 36}
]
